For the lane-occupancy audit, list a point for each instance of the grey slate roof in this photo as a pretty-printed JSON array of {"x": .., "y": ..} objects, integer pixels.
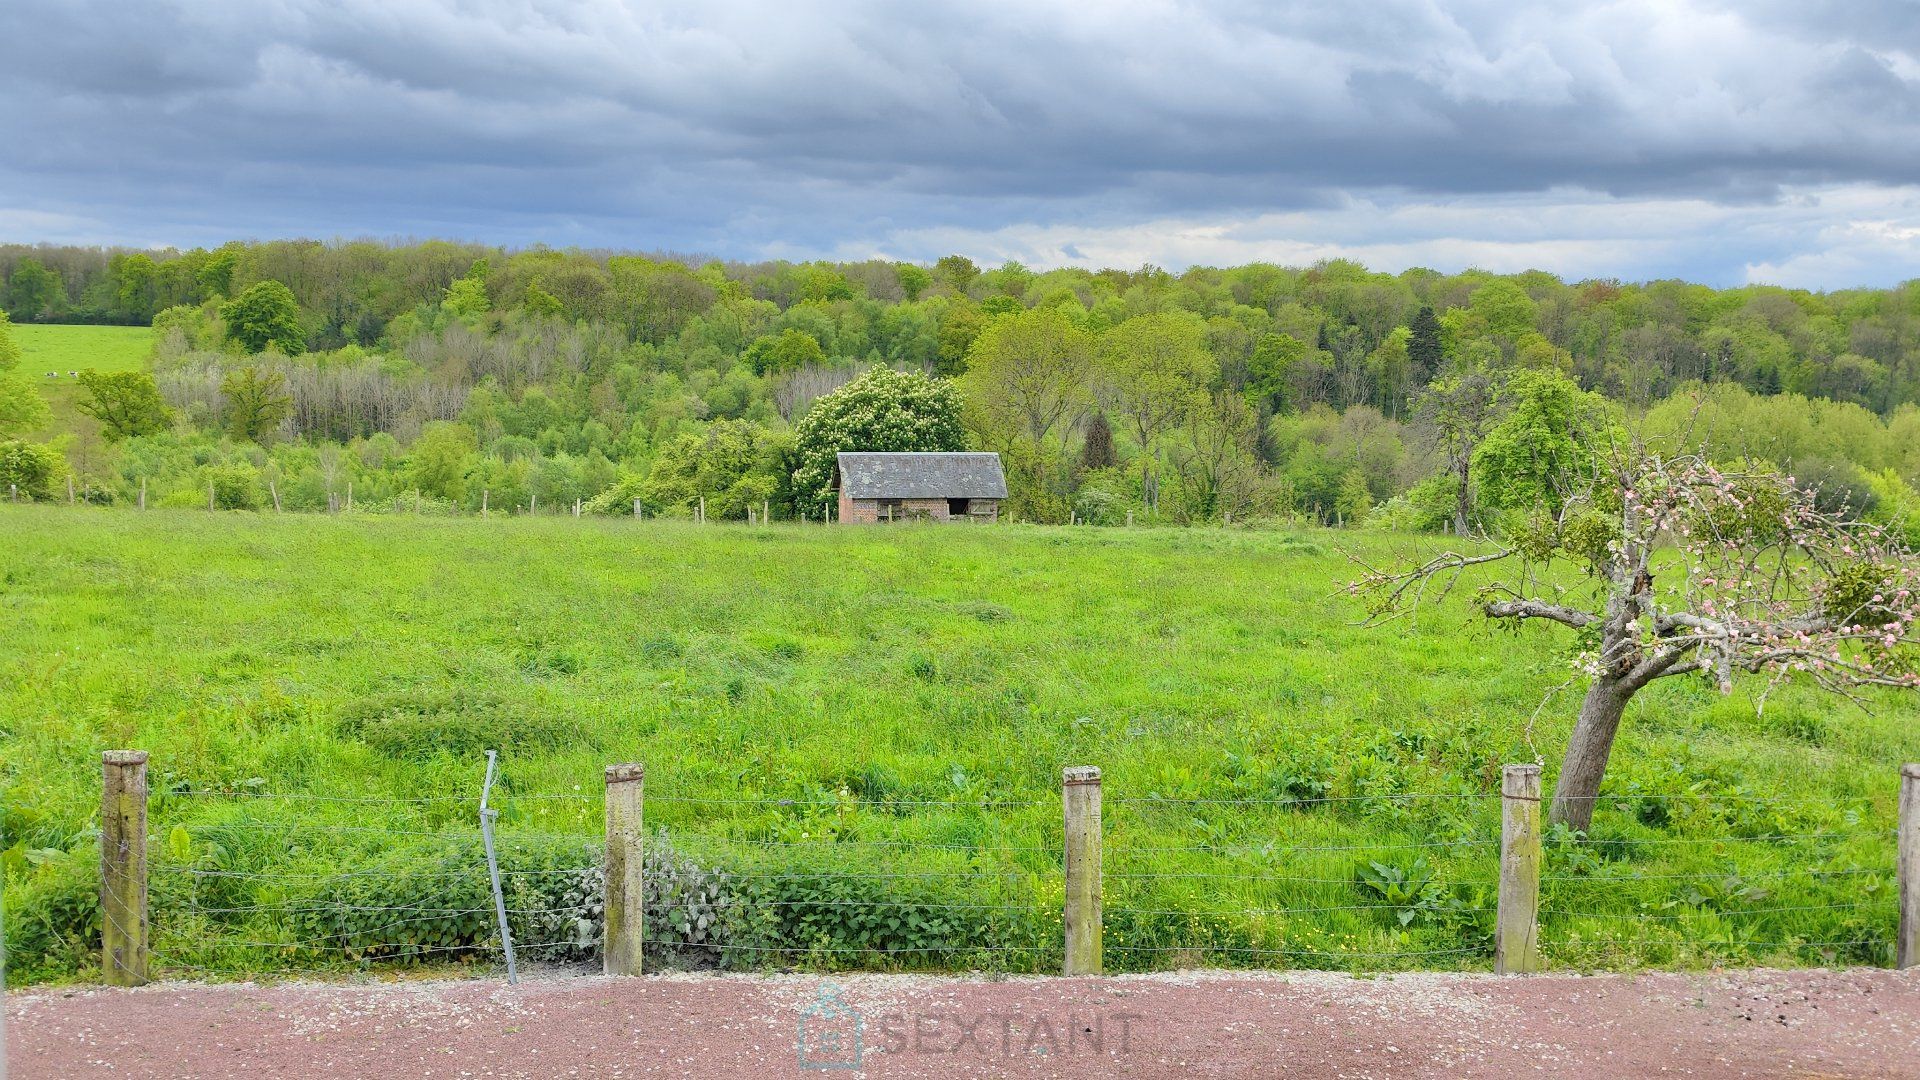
[{"x": 922, "y": 476}]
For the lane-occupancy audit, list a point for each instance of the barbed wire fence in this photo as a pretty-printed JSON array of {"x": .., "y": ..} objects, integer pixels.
[{"x": 242, "y": 883}]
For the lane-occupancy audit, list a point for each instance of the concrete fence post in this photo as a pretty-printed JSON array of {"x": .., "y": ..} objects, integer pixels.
[
  {"x": 1517, "y": 929},
  {"x": 485, "y": 495},
  {"x": 143, "y": 493},
  {"x": 624, "y": 909},
  {"x": 123, "y": 867},
  {"x": 1907, "y": 954},
  {"x": 636, "y": 509},
  {"x": 1080, "y": 795}
]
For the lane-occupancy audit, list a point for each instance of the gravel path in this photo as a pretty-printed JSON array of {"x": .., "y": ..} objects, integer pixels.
[{"x": 1857, "y": 1023}]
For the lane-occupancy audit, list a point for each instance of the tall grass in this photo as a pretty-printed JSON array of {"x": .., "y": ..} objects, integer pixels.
[{"x": 844, "y": 719}]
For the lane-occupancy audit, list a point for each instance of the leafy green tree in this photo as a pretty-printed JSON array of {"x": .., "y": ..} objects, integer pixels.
[
  {"x": 28, "y": 467},
  {"x": 729, "y": 464},
  {"x": 1353, "y": 500},
  {"x": 1504, "y": 308},
  {"x": 216, "y": 274},
  {"x": 959, "y": 326},
  {"x": 34, "y": 292},
  {"x": 440, "y": 461},
  {"x": 1270, "y": 370},
  {"x": 957, "y": 271},
  {"x": 126, "y": 403},
  {"x": 1457, "y": 410},
  {"x": 542, "y": 304},
  {"x": 264, "y": 315},
  {"x": 1156, "y": 369},
  {"x": 883, "y": 410},
  {"x": 467, "y": 298},
  {"x": 257, "y": 401},
  {"x": 914, "y": 280},
  {"x": 1026, "y": 373},
  {"x": 1547, "y": 442},
  {"x": 789, "y": 350}
]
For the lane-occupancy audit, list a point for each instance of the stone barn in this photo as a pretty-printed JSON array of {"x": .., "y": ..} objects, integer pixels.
[{"x": 918, "y": 487}]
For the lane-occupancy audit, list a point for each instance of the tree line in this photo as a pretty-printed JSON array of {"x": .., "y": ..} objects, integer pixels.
[{"x": 1331, "y": 392}]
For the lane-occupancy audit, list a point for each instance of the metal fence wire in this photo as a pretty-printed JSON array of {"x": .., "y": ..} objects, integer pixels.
[{"x": 244, "y": 883}]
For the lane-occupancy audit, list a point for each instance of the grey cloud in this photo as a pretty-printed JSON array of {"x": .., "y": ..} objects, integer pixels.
[{"x": 736, "y": 128}]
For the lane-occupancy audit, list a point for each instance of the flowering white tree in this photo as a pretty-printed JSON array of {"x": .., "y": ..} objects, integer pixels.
[{"x": 1688, "y": 569}]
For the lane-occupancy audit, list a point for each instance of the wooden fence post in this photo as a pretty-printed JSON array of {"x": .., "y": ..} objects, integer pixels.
[
  {"x": 123, "y": 867},
  {"x": 484, "y": 496},
  {"x": 1517, "y": 928},
  {"x": 143, "y": 493},
  {"x": 1080, "y": 794},
  {"x": 274, "y": 490},
  {"x": 1907, "y": 954},
  {"x": 636, "y": 509},
  {"x": 624, "y": 911}
]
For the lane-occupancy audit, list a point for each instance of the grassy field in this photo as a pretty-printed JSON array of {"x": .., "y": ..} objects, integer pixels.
[
  {"x": 63, "y": 350},
  {"x": 854, "y": 740},
  {"x": 49, "y": 347}
]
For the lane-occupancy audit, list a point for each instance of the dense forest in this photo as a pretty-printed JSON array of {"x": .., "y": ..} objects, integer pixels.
[{"x": 439, "y": 375}]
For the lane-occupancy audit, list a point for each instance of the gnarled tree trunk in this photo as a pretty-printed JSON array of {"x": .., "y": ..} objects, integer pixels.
[{"x": 1586, "y": 762}]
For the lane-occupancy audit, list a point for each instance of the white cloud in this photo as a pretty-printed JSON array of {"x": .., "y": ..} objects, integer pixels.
[{"x": 1830, "y": 237}]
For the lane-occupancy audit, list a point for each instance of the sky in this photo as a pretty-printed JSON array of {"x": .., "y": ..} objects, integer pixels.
[{"x": 1727, "y": 143}]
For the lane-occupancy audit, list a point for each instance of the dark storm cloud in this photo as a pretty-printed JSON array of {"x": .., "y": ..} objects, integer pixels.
[{"x": 740, "y": 129}]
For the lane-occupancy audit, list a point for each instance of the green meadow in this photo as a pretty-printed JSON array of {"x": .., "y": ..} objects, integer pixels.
[
  {"x": 64, "y": 349},
  {"x": 853, "y": 741}
]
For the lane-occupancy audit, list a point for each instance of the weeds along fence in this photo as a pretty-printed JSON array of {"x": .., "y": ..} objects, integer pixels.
[{"x": 238, "y": 883}]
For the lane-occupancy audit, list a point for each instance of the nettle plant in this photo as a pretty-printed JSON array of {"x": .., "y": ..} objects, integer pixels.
[{"x": 1685, "y": 568}]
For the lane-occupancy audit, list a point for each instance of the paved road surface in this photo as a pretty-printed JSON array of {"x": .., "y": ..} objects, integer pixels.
[{"x": 1860, "y": 1023}]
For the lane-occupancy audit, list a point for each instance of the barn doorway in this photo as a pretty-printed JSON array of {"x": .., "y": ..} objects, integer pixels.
[{"x": 957, "y": 508}]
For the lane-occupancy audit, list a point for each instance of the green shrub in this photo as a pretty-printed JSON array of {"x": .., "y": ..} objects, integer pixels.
[{"x": 30, "y": 467}]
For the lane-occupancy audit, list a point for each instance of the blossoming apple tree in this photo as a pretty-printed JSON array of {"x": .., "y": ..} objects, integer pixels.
[{"x": 1680, "y": 567}]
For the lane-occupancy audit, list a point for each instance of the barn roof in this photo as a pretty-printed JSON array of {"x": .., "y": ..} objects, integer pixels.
[{"x": 922, "y": 476}]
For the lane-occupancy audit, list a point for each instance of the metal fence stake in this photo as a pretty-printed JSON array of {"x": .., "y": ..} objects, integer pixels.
[{"x": 487, "y": 815}]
